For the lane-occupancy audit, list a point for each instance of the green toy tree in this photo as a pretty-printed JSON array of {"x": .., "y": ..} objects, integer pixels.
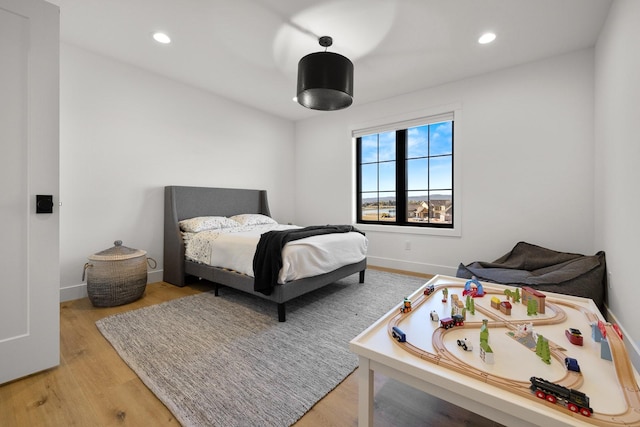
[
  {"x": 546, "y": 352},
  {"x": 542, "y": 349},
  {"x": 539, "y": 344}
]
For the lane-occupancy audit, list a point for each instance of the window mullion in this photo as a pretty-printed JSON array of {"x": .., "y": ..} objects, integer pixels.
[
  {"x": 359, "y": 178},
  {"x": 401, "y": 176}
]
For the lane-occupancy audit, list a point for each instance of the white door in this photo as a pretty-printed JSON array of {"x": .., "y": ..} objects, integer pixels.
[{"x": 29, "y": 145}]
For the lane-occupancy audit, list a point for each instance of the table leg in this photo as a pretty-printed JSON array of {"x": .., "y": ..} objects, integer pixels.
[{"x": 365, "y": 393}]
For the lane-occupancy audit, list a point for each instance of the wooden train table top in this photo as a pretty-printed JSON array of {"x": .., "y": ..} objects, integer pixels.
[{"x": 432, "y": 353}]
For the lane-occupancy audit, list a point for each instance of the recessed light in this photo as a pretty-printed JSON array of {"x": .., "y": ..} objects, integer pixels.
[
  {"x": 161, "y": 38},
  {"x": 486, "y": 38}
]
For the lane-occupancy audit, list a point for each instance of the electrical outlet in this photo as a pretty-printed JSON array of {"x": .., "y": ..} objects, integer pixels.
[
  {"x": 609, "y": 282},
  {"x": 407, "y": 245}
]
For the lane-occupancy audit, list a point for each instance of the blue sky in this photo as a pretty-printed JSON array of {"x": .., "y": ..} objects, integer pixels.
[{"x": 433, "y": 140}]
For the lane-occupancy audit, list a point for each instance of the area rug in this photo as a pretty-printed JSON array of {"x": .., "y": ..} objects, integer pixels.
[{"x": 227, "y": 361}]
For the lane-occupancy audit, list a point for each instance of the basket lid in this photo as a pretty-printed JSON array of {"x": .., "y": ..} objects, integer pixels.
[{"x": 117, "y": 252}]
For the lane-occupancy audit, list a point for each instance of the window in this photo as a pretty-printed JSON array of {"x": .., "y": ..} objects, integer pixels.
[{"x": 405, "y": 174}]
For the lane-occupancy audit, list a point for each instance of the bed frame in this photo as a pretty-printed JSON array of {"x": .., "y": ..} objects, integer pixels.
[{"x": 188, "y": 202}]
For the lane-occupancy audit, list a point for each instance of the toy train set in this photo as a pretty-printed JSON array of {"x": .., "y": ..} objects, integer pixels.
[{"x": 563, "y": 393}]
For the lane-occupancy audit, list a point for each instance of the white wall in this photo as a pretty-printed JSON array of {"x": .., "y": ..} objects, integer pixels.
[
  {"x": 526, "y": 142},
  {"x": 126, "y": 133},
  {"x": 527, "y": 146},
  {"x": 617, "y": 107}
]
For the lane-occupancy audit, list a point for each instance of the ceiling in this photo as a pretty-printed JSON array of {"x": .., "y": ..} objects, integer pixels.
[{"x": 247, "y": 50}]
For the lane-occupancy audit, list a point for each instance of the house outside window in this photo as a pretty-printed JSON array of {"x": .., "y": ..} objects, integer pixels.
[{"x": 405, "y": 173}]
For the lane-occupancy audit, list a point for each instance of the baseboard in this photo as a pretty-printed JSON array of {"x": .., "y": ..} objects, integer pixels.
[
  {"x": 154, "y": 276},
  {"x": 417, "y": 267},
  {"x": 70, "y": 293}
]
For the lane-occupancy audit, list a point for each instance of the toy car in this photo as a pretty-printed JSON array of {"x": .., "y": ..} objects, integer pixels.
[
  {"x": 465, "y": 344},
  {"x": 398, "y": 334},
  {"x": 574, "y": 336},
  {"x": 406, "y": 306},
  {"x": 571, "y": 364},
  {"x": 434, "y": 316}
]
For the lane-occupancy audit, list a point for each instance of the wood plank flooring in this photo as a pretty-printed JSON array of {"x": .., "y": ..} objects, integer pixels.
[{"x": 94, "y": 387}]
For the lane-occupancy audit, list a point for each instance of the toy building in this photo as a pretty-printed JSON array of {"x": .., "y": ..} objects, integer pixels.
[
  {"x": 530, "y": 293},
  {"x": 486, "y": 353},
  {"x": 596, "y": 332},
  {"x": 505, "y": 307},
  {"x": 495, "y": 303}
]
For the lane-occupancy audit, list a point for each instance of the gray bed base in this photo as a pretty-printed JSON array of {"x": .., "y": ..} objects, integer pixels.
[{"x": 188, "y": 202}]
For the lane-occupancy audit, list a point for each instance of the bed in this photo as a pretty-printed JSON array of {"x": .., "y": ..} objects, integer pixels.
[{"x": 182, "y": 203}]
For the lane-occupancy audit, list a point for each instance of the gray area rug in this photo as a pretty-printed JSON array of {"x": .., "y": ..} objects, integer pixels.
[{"x": 227, "y": 361}]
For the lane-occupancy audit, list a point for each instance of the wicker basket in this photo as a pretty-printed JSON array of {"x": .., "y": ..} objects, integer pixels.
[{"x": 116, "y": 276}]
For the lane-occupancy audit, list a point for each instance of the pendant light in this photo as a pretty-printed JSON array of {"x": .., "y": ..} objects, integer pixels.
[{"x": 325, "y": 79}]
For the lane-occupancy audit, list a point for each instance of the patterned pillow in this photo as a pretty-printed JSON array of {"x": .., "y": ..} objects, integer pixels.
[
  {"x": 253, "y": 219},
  {"x": 202, "y": 223}
]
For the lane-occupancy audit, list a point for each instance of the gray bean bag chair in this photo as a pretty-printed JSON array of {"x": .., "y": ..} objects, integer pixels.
[{"x": 545, "y": 270}]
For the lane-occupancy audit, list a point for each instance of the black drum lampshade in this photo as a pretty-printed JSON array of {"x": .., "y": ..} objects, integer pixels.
[{"x": 325, "y": 80}]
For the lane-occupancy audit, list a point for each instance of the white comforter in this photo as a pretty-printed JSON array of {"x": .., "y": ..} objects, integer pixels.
[{"x": 234, "y": 248}]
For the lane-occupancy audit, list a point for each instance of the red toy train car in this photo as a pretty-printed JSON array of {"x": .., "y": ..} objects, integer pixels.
[{"x": 450, "y": 322}]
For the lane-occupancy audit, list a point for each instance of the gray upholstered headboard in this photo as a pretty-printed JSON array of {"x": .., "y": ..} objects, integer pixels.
[{"x": 189, "y": 202}]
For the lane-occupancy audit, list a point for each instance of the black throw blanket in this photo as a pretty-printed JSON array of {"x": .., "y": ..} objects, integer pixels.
[{"x": 267, "y": 261}]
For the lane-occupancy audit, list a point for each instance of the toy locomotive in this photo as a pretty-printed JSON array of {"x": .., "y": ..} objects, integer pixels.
[{"x": 574, "y": 400}]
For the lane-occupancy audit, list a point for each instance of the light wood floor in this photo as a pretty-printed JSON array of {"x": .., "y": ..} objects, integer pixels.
[{"x": 94, "y": 387}]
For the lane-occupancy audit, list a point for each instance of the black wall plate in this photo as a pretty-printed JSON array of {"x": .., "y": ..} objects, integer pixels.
[{"x": 44, "y": 204}]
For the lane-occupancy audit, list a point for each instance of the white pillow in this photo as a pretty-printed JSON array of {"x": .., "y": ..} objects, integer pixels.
[
  {"x": 253, "y": 219},
  {"x": 202, "y": 223}
]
